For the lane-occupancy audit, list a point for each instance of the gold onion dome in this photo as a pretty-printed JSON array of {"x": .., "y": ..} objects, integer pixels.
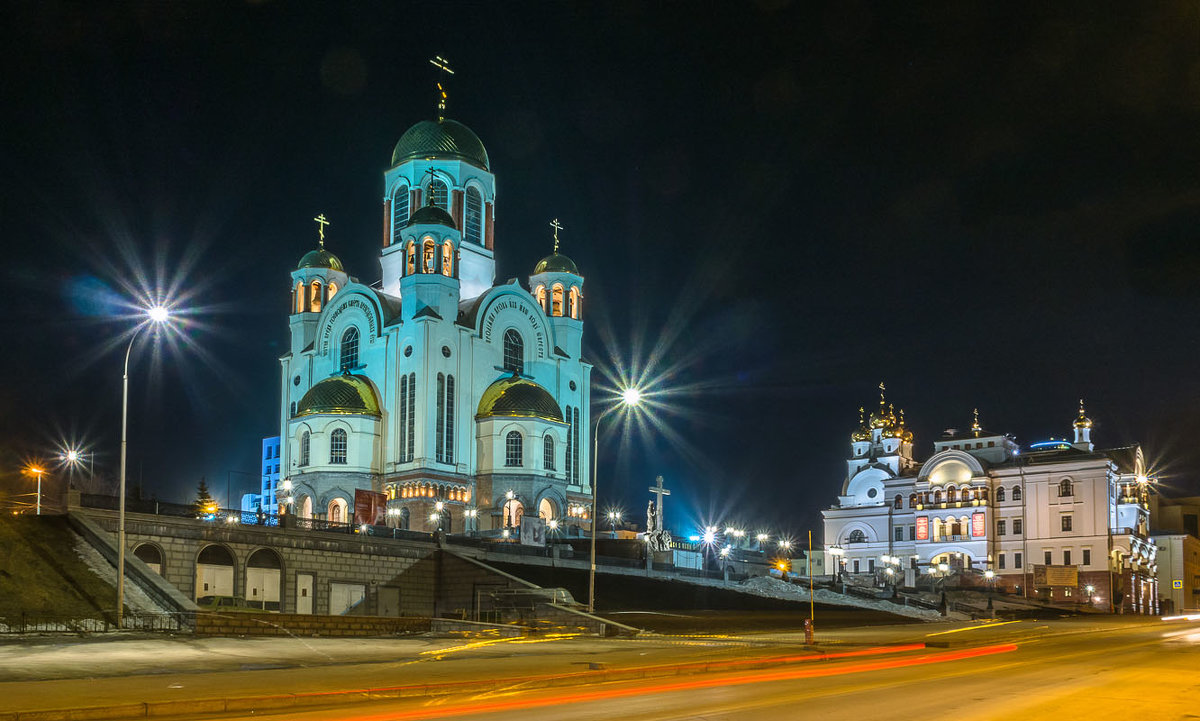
[
  {"x": 1082, "y": 421},
  {"x": 556, "y": 263},
  {"x": 344, "y": 395},
  {"x": 320, "y": 258},
  {"x": 516, "y": 397},
  {"x": 443, "y": 139},
  {"x": 864, "y": 431},
  {"x": 431, "y": 215}
]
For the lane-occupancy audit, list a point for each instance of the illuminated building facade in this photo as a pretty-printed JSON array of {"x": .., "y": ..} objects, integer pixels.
[
  {"x": 462, "y": 400},
  {"x": 1049, "y": 522},
  {"x": 265, "y": 498}
]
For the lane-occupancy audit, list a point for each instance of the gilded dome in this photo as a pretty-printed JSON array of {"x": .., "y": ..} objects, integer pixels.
[
  {"x": 1082, "y": 421},
  {"x": 345, "y": 394},
  {"x": 556, "y": 263},
  {"x": 320, "y": 258},
  {"x": 516, "y": 397},
  {"x": 864, "y": 431},
  {"x": 431, "y": 215},
  {"x": 444, "y": 139}
]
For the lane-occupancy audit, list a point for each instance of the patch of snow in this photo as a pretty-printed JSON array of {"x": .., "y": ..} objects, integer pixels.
[{"x": 135, "y": 598}]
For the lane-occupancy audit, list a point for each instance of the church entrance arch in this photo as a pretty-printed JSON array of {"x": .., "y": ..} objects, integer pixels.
[
  {"x": 547, "y": 510},
  {"x": 214, "y": 573},
  {"x": 264, "y": 575},
  {"x": 512, "y": 512},
  {"x": 336, "y": 513},
  {"x": 306, "y": 507},
  {"x": 956, "y": 560}
]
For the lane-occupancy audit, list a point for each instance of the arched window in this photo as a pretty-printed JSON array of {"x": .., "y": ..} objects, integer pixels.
[
  {"x": 937, "y": 496},
  {"x": 306, "y": 507},
  {"x": 912, "y": 500},
  {"x": 1000, "y": 494},
  {"x": 410, "y": 265},
  {"x": 305, "y": 444},
  {"x": 546, "y": 510},
  {"x": 299, "y": 297},
  {"x": 349, "y": 351},
  {"x": 439, "y": 194},
  {"x": 314, "y": 302},
  {"x": 898, "y": 502},
  {"x": 443, "y": 429},
  {"x": 473, "y": 220},
  {"x": 540, "y": 294},
  {"x": 514, "y": 351},
  {"x": 337, "y": 446},
  {"x": 511, "y": 512},
  {"x": 951, "y": 494},
  {"x": 333, "y": 289},
  {"x": 1016, "y": 494},
  {"x": 857, "y": 536},
  {"x": 1065, "y": 489},
  {"x": 428, "y": 256},
  {"x": 548, "y": 453},
  {"x": 573, "y": 304},
  {"x": 293, "y": 409},
  {"x": 556, "y": 301},
  {"x": 399, "y": 211},
  {"x": 405, "y": 515},
  {"x": 337, "y": 511},
  {"x": 448, "y": 259},
  {"x": 513, "y": 449}
]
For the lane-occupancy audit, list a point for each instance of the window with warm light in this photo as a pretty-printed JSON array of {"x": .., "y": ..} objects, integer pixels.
[
  {"x": 410, "y": 265},
  {"x": 448, "y": 259},
  {"x": 439, "y": 194},
  {"x": 540, "y": 294},
  {"x": 316, "y": 299},
  {"x": 556, "y": 301},
  {"x": 428, "y": 256}
]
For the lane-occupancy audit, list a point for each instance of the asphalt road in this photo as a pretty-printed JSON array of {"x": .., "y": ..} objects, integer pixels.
[{"x": 1023, "y": 670}]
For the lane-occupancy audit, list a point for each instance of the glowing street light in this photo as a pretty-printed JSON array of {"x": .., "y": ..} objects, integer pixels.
[
  {"x": 157, "y": 315},
  {"x": 38, "y": 471},
  {"x": 630, "y": 398}
]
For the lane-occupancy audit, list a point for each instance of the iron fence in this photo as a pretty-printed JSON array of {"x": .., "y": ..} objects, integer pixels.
[{"x": 97, "y": 623}]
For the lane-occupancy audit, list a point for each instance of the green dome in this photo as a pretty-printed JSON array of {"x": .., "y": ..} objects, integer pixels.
[
  {"x": 431, "y": 215},
  {"x": 445, "y": 139},
  {"x": 344, "y": 394},
  {"x": 516, "y": 397},
  {"x": 556, "y": 264},
  {"x": 320, "y": 259}
]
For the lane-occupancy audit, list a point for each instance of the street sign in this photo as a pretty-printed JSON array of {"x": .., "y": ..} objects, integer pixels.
[{"x": 1177, "y": 583}]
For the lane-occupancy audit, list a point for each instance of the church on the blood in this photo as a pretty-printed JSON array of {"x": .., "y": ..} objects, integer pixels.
[{"x": 462, "y": 399}]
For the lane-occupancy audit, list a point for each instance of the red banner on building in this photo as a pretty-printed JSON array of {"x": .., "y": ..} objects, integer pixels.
[
  {"x": 922, "y": 528},
  {"x": 369, "y": 508},
  {"x": 977, "y": 528}
]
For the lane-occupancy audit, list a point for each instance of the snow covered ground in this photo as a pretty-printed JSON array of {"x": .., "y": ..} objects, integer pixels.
[
  {"x": 775, "y": 588},
  {"x": 135, "y": 598}
]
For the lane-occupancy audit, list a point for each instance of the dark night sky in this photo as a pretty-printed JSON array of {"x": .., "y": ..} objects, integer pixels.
[{"x": 787, "y": 203}]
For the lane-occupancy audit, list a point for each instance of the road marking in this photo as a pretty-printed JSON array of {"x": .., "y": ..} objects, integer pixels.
[{"x": 972, "y": 628}]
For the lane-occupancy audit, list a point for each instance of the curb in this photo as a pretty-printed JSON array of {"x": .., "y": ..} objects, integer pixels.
[{"x": 167, "y": 709}]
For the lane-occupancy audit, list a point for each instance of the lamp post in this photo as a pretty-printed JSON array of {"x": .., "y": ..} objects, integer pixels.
[
  {"x": 38, "y": 471},
  {"x": 157, "y": 315},
  {"x": 630, "y": 398},
  {"x": 614, "y": 517}
]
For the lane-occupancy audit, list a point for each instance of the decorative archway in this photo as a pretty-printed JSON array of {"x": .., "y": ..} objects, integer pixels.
[
  {"x": 264, "y": 579},
  {"x": 214, "y": 572}
]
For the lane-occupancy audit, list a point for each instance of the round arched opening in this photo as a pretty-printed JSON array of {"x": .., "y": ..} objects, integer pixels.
[
  {"x": 512, "y": 512},
  {"x": 264, "y": 575},
  {"x": 306, "y": 507},
  {"x": 547, "y": 510},
  {"x": 336, "y": 513},
  {"x": 149, "y": 554},
  {"x": 214, "y": 575}
]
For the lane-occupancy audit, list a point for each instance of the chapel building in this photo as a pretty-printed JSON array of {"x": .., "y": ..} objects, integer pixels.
[
  {"x": 1061, "y": 520},
  {"x": 463, "y": 400}
]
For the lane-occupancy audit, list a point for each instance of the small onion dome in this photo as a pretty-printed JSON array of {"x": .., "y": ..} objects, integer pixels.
[
  {"x": 320, "y": 258},
  {"x": 519, "y": 398},
  {"x": 445, "y": 139},
  {"x": 431, "y": 215},
  {"x": 864, "y": 431},
  {"x": 345, "y": 395},
  {"x": 1082, "y": 421},
  {"x": 556, "y": 263}
]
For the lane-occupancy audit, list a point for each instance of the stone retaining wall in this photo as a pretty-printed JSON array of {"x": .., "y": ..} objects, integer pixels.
[{"x": 292, "y": 624}]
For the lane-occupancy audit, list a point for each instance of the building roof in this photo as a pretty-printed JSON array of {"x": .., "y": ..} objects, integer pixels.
[
  {"x": 320, "y": 258},
  {"x": 556, "y": 263},
  {"x": 517, "y": 397},
  {"x": 444, "y": 139},
  {"x": 431, "y": 215},
  {"x": 345, "y": 395}
]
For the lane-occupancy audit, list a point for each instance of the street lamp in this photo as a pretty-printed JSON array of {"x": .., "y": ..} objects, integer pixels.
[
  {"x": 614, "y": 517},
  {"x": 630, "y": 398},
  {"x": 38, "y": 471},
  {"x": 157, "y": 315}
]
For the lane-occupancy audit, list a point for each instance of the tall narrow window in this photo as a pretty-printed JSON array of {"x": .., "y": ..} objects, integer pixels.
[
  {"x": 448, "y": 259},
  {"x": 403, "y": 424},
  {"x": 514, "y": 351},
  {"x": 1065, "y": 489},
  {"x": 410, "y": 265},
  {"x": 473, "y": 221},
  {"x": 449, "y": 435},
  {"x": 428, "y": 256},
  {"x": 439, "y": 194},
  {"x": 1017, "y": 526},
  {"x": 305, "y": 444},
  {"x": 349, "y": 350},
  {"x": 540, "y": 294},
  {"x": 1016, "y": 494},
  {"x": 399, "y": 211},
  {"x": 333, "y": 289},
  {"x": 556, "y": 301},
  {"x": 513, "y": 449},
  {"x": 570, "y": 444},
  {"x": 439, "y": 427},
  {"x": 548, "y": 452},
  {"x": 1000, "y": 494},
  {"x": 300, "y": 297},
  {"x": 337, "y": 447},
  {"x": 573, "y": 305},
  {"x": 314, "y": 302},
  {"x": 575, "y": 450},
  {"x": 412, "y": 415}
]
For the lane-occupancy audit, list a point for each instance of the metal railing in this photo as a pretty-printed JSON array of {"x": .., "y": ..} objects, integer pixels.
[{"x": 97, "y": 623}]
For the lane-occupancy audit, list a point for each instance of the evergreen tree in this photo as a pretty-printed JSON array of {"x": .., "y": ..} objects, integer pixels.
[{"x": 204, "y": 502}]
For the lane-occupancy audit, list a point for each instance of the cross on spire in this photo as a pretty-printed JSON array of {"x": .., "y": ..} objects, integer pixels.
[
  {"x": 557, "y": 227},
  {"x": 443, "y": 66},
  {"x": 658, "y": 490},
  {"x": 321, "y": 223}
]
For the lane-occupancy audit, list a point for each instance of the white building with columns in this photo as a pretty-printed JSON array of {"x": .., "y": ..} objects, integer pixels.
[
  {"x": 463, "y": 400},
  {"x": 1060, "y": 520}
]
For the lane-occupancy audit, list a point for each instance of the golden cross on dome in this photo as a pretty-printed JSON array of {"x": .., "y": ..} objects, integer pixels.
[
  {"x": 557, "y": 227},
  {"x": 443, "y": 66},
  {"x": 321, "y": 223},
  {"x": 975, "y": 425}
]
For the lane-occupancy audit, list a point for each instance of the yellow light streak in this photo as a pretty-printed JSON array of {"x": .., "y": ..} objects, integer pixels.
[{"x": 972, "y": 628}]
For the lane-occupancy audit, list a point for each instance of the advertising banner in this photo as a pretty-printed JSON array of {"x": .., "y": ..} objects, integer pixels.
[
  {"x": 922, "y": 528},
  {"x": 369, "y": 508},
  {"x": 1067, "y": 576},
  {"x": 533, "y": 531},
  {"x": 978, "y": 530}
]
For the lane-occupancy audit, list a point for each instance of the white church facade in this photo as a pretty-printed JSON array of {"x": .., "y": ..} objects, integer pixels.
[
  {"x": 463, "y": 400},
  {"x": 1060, "y": 520}
]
